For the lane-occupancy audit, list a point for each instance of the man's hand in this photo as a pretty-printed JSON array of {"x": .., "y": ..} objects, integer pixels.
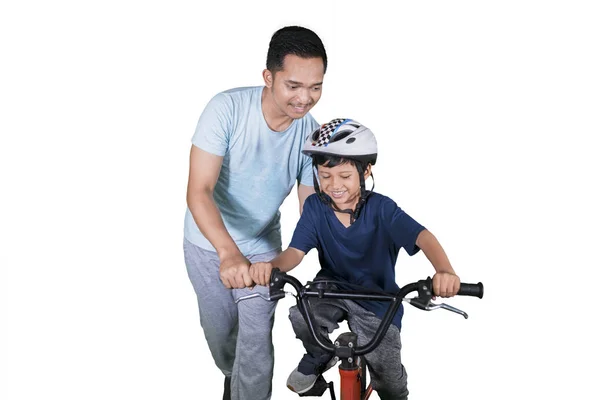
[
  {"x": 445, "y": 284},
  {"x": 234, "y": 272},
  {"x": 261, "y": 273}
]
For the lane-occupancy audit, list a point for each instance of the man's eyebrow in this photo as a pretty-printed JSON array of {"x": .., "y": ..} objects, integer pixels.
[{"x": 301, "y": 84}]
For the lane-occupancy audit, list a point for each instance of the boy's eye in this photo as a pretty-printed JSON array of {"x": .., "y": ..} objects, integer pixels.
[
  {"x": 293, "y": 87},
  {"x": 346, "y": 177}
]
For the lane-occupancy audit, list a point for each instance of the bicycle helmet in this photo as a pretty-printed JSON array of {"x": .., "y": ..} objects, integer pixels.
[
  {"x": 343, "y": 138},
  {"x": 347, "y": 139}
]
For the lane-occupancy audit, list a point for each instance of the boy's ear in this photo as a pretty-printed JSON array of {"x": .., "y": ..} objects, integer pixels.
[{"x": 368, "y": 171}]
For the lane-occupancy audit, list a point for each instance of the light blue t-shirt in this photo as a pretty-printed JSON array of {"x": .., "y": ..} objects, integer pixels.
[{"x": 260, "y": 168}]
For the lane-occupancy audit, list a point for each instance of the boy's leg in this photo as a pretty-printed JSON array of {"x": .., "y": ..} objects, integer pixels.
[
  {"x": 218, "y": 311},
  {"x": 254, "y": 359},
  {"x": 326, "y": 314},
  {"x": 388, "y": 375}
]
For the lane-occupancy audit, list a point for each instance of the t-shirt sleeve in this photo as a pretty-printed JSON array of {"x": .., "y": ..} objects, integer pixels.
[
  {"x": 214, "y": 126},
  {"x": 402, "y": 227},
  {"x": 305, "y": 234}
]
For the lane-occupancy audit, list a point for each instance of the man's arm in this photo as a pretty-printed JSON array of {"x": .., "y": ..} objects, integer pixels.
[
  {"x": 303, "y": 192},
  {"x": 204, "y": 172},
  {"x": 445, "y": 282}
]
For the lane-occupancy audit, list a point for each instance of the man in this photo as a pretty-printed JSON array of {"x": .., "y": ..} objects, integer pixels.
[{"x": 245, "y": 159}]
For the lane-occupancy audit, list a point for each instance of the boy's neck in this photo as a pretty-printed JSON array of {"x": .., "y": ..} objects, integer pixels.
[
  {"x": 348, "y": 206},
  {"x": 344, "y": 218}
]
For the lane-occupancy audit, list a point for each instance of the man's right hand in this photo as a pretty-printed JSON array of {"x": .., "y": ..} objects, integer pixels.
[{"x": 234, "y": 272}]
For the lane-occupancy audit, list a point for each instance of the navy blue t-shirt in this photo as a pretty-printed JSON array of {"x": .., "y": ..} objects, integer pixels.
[{"x": 364, "y": 253}]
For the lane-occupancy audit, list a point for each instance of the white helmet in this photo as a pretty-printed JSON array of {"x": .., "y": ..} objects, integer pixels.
[{"x": 343, "y": 138}]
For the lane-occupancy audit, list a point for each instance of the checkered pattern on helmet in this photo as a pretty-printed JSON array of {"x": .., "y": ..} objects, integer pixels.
[{"x": 326, "y": 131}]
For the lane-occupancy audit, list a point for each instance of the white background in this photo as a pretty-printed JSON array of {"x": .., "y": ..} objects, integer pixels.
[{"x": 485, "y": 113}]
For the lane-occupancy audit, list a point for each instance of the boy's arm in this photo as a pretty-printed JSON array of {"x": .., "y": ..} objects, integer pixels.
[
  {"x": 445, "y": 282},
  {"x": 286, "y": 261},
  {"x": 304, "y": 237}
]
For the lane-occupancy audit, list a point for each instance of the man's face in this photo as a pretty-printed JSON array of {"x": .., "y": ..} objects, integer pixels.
[{"x": 297, "y": 87}]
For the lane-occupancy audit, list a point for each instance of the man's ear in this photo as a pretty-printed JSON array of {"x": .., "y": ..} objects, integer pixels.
[{"x": 268, "y": 77}]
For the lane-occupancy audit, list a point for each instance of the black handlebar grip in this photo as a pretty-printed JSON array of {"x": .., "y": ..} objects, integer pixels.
[{"x": 471, "y": 289}]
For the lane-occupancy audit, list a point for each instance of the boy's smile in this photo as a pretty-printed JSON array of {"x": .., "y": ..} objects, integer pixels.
[{"x": 336, "y": 194}]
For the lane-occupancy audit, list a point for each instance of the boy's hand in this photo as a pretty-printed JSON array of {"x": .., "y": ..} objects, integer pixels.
[
  {"x": 234, "y": 272},
  {"x": 261, "y": 273},
  {"x": 445, "y": 284}
]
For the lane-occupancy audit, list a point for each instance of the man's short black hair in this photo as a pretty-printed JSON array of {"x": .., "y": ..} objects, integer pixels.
[{"x": 296, "y": 40}]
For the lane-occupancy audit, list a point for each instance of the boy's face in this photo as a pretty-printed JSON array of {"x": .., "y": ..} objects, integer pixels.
[{"x": 342, "y": 184}]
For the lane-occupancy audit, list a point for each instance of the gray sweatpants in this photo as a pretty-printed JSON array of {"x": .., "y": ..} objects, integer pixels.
[
  {"x": 388, "y": 375},
  {"x": 238, "y": 335}
]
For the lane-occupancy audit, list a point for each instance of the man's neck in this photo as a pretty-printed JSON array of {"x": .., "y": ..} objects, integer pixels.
[{"x": 275, "y": 119}]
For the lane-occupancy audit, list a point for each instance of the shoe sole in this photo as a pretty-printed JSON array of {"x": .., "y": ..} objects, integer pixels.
[{"x": 301, "y": 391}]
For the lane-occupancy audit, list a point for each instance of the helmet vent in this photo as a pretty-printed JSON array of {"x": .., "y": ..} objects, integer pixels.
[
  {"x": 340, "y": 135},
  {"x": 315, "y": 135}
]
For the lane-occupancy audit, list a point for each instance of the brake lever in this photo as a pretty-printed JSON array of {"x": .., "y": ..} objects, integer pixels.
[
  {"x": 429, "y": 306},
  {"x": 273, "y": 297},
  {"x": 251, "y": 296},
  {"x": 432, "y": 306}
]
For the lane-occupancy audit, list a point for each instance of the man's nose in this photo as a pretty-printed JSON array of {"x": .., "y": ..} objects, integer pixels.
[{"x": 304, "y": 96}]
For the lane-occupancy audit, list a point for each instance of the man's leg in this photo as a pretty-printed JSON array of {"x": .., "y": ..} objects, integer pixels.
[
  {"x": 254, "y": 359},
  {"x": 218, "y": 311}
]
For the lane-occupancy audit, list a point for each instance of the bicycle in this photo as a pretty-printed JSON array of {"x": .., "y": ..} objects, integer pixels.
[{"x": 345, "y": 349}]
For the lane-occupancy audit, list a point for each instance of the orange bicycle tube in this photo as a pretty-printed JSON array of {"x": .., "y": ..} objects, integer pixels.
[{"x": 350, "y": 384}]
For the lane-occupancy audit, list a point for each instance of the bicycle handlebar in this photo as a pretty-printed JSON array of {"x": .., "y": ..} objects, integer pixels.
[{"x": 424, "y": 287}]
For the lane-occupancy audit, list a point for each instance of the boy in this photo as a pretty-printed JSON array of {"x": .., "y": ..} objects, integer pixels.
[{"x": 358, "y": 235}]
